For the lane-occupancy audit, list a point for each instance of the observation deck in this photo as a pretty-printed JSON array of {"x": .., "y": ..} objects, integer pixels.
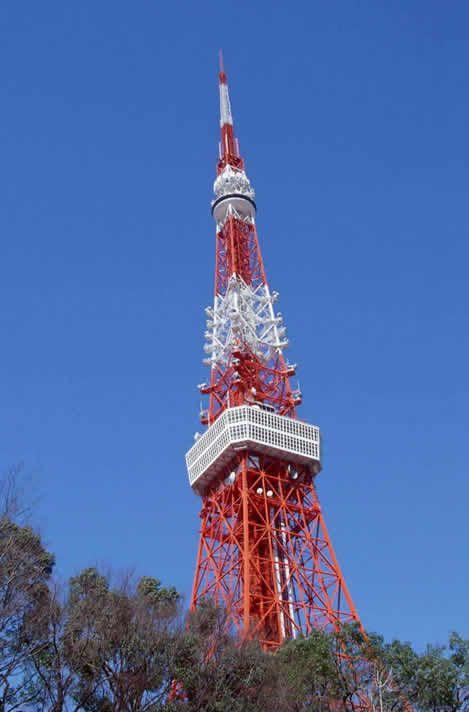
[{"x": 259, "y": 430}]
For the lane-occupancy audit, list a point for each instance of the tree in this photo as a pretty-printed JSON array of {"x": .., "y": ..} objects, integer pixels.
[
  {"x": 105, "y": 648},
  {"x": 344, "y": 669},
  {"x": 310, "y": 671},
  {"x": 217, "y": 672},
  {"x": 328, "y": 670},
  {"x": 459, "y": 656},
  {"x": 434, "y": 681},
  {"x": 25, "y": 570}
]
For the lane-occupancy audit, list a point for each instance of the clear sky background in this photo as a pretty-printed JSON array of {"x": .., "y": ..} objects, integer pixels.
[{"x": 353, "y": 118}]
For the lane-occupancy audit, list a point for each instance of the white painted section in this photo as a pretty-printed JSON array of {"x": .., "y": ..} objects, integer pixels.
[
  {"x": 288, "y": 578},
  {"x": 225, "y": 106},
  {"x": 233, "y": 180},
  {"x": 278, "y": 582},
  {"x": 235, "y": 205},
  {"x": 243, "y": 318},
  {"x": 235, "y": 185},
  {"x": 258, "y": 429}
]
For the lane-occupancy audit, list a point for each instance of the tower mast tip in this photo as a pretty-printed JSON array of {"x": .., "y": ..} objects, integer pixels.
[{"x": 221, "y": 65}]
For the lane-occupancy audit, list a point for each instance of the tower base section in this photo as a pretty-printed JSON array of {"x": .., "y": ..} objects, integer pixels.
[{"x": 265, "y": 553}]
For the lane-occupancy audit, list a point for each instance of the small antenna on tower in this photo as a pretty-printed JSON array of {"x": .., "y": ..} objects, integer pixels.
[{"x": 221, "y": 63}]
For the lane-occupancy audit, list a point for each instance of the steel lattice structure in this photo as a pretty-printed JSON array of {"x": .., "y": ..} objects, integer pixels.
[{"x": 264, "y": 549}]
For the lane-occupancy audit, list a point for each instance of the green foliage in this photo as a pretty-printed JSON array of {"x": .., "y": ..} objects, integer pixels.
[
  {"x": 88, "y": 583},
  {"x": 437, "y": 680},
  {"x": 23, "y": 556},
  {"x": 310, "y": 669},
  {"x": 25, "y": 569},
  {"x": 101, "y": 647},
  {"x": 118, "y": 641},
  {"x": 218, "y": 672},
  {"x": 151, "y": 590}
]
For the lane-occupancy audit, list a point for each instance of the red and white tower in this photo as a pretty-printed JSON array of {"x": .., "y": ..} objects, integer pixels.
[{"x": 264, "y": 550}]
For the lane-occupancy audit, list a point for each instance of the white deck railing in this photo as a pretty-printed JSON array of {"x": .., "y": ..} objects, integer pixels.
[{"x": 252, "y": 427}]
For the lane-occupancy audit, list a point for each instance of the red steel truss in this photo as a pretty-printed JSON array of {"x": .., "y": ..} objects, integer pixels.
[{"x": 264, "y": 549}]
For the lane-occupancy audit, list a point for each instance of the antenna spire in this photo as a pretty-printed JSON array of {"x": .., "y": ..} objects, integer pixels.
[{"x": 229, "y": 148}]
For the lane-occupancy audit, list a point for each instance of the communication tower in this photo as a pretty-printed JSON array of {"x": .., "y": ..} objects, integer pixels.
[{"x": 264, "y": 550}]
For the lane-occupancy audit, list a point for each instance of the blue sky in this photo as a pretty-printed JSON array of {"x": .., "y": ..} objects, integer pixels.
[{"x": 353, "y": 120}]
